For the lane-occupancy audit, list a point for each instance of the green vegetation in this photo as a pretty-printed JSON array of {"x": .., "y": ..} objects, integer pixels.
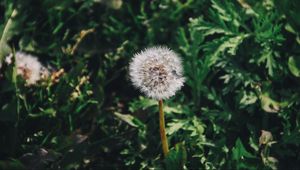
[{"x": 239, "y": 108}]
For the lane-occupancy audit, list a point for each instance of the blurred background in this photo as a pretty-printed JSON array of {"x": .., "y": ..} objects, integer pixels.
[{"x": 239, "y": 108}]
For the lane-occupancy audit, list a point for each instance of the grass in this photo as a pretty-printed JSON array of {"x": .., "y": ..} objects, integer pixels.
[{"x": 242, "y": 77}]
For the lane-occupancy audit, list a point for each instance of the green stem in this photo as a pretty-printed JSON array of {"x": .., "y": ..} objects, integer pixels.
[
  {"x": 162, "y": 129},
  {"x": 5, "y": 35}
]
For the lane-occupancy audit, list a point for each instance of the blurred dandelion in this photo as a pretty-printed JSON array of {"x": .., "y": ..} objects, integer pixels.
[
  {"x": 29, "y": 67},
  {"x": 157, "y": 72}
]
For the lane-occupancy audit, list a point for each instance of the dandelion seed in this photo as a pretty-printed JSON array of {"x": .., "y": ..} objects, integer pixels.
[{"x": 157, "y": 72}]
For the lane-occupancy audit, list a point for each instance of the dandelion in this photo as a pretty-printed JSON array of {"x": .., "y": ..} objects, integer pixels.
[
  {"x": 157, "y": 72},
  {"x": 28, "y": 67}
]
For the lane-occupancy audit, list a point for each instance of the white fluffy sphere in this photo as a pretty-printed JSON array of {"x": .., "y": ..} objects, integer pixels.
[
  {"x": 157, "y": 72},
  {"x": 28, "y": 67}
]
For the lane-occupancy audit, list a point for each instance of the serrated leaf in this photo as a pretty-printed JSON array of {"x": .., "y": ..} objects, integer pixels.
[
  {"x": 208, "y": 28},
  {"x": 268, "y": 58},
  {"x": 170, "y": 109},
  {"x": 143, "y": 103},
  {"x": 173, "y": 127},
  {"x": 222, "y": 45}
]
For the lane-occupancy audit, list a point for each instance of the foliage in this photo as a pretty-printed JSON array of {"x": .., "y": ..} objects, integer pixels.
[{"x": 239, "y": 108}]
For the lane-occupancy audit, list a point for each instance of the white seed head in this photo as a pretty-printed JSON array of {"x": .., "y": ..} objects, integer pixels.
[
  {"x": 29, "y": 67},
  {"x": 157, "y": 72}
]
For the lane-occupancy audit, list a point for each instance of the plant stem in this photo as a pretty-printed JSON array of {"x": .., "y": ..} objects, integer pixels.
[
  {"x": 5, "y": 36},
  {"x": 162, "y": 129}
]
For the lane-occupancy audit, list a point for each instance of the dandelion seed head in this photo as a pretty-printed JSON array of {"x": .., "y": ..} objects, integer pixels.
[
  {"x": 157, "y": 72},
  {"x": 29, "y": 67}
]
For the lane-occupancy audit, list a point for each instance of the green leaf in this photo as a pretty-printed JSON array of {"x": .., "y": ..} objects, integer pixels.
[
  {"x": 131, "y": 120},
  {"x": 226, "y": 44},
  {"x": 239, "y": 152},
  {"x": 290, "y": 8},
  {"x": 176, "y": 158},
  {"x": 208, "y": 28},
  {"x": 268, "y": 104},
  {"x": 248, "y": 98},
  {"x": 294, "y": 66},
  {"x": 50, "y": 112},
  {"x": 6, "y": 35},
  {"x": 143, "y": 103},
  {"x": 173, "y": 127},
  {"x": 268, "y": 57},
  {"x": 173, "y": 109}
]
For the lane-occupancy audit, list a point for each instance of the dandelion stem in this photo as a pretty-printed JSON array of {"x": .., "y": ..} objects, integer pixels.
[{"x": 162, "y": 129}]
